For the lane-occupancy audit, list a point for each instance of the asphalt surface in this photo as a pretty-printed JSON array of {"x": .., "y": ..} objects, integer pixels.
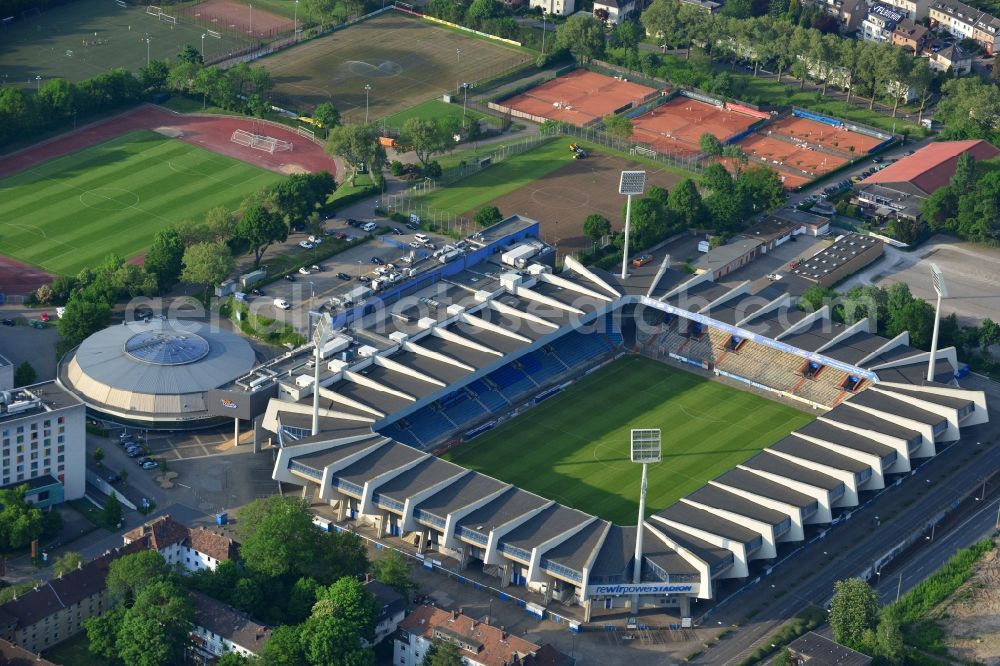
[{"x": 805, "y": 577}]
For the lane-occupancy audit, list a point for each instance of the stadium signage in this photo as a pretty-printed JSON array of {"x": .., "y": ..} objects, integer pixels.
[
  {"x": 229, "y": 404},
  {"x": 639, "y": 588},
  {"x": 747, "y": 335}
]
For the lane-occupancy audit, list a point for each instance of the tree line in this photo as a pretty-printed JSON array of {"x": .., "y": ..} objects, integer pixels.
[{"x": 969, "y": 205}]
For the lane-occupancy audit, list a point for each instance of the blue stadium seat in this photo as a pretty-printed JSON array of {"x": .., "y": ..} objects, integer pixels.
[
  {"x": 493, "y": 401},
  {"x": 464, "y": 410},
  {"x": 428, "y": 426},
  {"x": 542, "y": 366}
]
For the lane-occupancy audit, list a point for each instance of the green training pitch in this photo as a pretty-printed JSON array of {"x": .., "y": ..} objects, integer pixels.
[
  {"x": 70, "y": 212},
  {"x": 574, "y": 447}
]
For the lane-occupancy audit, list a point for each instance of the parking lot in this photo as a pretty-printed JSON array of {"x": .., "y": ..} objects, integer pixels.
[{"x": 341, "y": 273}]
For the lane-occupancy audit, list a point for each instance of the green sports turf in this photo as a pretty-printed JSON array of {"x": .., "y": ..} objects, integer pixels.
[
  {"x": 433, "y": 109},
  {"x": 70, "y": 212},
  {"x": 574, "y": 447}
]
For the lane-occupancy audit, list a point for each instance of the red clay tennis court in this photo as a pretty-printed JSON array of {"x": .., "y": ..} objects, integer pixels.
[
  {"x": 789, "y": 158},
  {"x": 579, "y": 97},
  {"x": 834, "y": 138},
  {"x": 676, "y": 127}
]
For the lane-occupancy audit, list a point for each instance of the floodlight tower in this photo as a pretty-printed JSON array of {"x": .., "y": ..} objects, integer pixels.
[
  {"x": 320, "y": 336},
  {"x": 941, "y": 289},
  {"x": 632, "y": 182},
  {"x": 646, "y": 449}
]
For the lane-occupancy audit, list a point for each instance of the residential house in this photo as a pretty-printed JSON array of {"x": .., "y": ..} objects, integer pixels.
[
  {"x": 849, "y": 13},
  {"x": 911, "y": 9},
  {"x": 219, "y": 628},
  {"x": 899, "y": 189},
  {"x": 952, "y": 59},
  {"x": 618, "y": 10},
  {"x": 813, "y": 649},
  {"x": 193, "y": 549},
  {"x": 911, "y": 36},
  {"x": 480, "y": 644},
  {"x": 879, "y": 24},
  {"x": 13, "y": 655},
  {"x": 392, "y": 609},
  {"x": 966, "y": 22},
  {"x": 56, "y": 610},
  {"x": 556, "y": 7}
]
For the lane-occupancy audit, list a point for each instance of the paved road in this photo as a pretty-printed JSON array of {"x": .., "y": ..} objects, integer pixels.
[{"x": 848, "y": 549}]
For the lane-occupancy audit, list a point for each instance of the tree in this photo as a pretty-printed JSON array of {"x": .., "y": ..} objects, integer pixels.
[
  {"x": 260, "y": 227},
  {"x": 619, "y": 127},
  {"x": 488, "y": 216},
  {"x": 596, "y": 226},
  {"x": 220, "y": 224},
  {"x": 717, "y": 179},
  {"x": 326, "y": 115},
  {"x": 98, "y": 455},
  {"x": 917, "y": 317},
  {"x": 815, "y": 297},
  {"x": 686, "y": 204},
  {"x": 164, "y": 259},
  {"x": 233, "y": 659},
  {"x": 348, "y": 599},
  {"x": 710, "y": 144},
  {"x": 853, "y": 611},
  {"x": 425, "y": 137},
  {"x": 481, "y": 11},
  {"x": 301, "y": 599},
  {"x": 358, "y": 144},
  {"x": 207, "y": 264},
  {"x": 111, "y": 514},
  {"x": 68, "y": 561},
  {"x": 81, "y": 318},
  {"x": 102, "y": 633},
  {"x": 889, "y": 640},
  {"x": 154, "y": 75},
  {"x": 128, "y": 575},
  {"x": 662, "y": 20},
  {"x": 784, "y": 658},
  {"x": 24, "y": 374},
  {"x": 190, "y": 54},
  {"x": 989, "y": 333},
  {"x": 20, "y": 522},
  {"x": 443, "y": 653},
  {"x": 582, "y": 35},
  {"x": 340, "y": 555},
  {"x": 155, "y": 630},
  {"x": 284, "y": 648},
  {"x": 328, "y": 639},
  {"x": 276, "y": 536},
  {"x": 897, "y": 296},
  {"x": 298, "y": 196},
  {"x": 393, "y": 569},
  {"x": 760, "y": 189}
]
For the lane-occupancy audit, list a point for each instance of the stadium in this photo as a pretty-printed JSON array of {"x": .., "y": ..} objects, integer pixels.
[{"x": 477, "y": 344}]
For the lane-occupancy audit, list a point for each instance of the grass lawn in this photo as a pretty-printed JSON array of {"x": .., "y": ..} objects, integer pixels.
[
  {"x": 498, "y": 180},
  {"x": 71, "y": 212},
  {"x": 74, "y": 651},
  {"x": 435, "y": 108},
  {"x": 574, "y": 447}
]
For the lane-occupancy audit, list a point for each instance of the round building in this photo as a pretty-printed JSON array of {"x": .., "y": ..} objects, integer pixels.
[{"x": 155, "y": 373}]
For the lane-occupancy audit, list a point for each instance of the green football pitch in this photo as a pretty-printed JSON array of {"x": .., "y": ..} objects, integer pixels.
[
  {"x": 70, "y": 212},
  {"x": 574, "y": 447}
]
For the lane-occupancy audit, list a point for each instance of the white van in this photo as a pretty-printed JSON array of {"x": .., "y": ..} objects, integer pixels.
[
  {"x": 369, "y": 227},
  {"x": 422, "y": 238}
]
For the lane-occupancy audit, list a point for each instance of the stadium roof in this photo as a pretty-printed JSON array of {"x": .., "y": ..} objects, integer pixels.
[{"x": 931, "y": 167}]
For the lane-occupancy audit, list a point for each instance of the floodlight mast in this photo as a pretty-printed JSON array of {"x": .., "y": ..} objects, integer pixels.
[
  {"x": 632, "y": 182},
  {"x": 646, "y": 449},
  {"x": 941, "y": 289},
  {"x": 321, "y": 333}
]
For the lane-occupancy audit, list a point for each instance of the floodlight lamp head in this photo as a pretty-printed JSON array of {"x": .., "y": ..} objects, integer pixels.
[
  {"x": 937, "y": 279},
  {"x": 632, "y": 182},
  {"x": 646, "y": 445},
  {"x": 322, "y": 329}
]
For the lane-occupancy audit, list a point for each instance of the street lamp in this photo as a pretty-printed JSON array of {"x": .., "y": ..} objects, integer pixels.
[
  {"x": 368, "y": 89},
  {"x": 203, "y": 47},
  {"x": 147, "y": 49},
  {"x": 632, "y": 183},
  {"x": 458, "y": 64},
  {"x": 251, "y": 20},
  {"x": 38, "y": 84},
  {"x": 937, "y": 278},
  {"x": 359, "y": 268},
  {"x": 543, "y": 32},
  {"x": 465, "y": 101},
  {"x": 295, "y": 25}
]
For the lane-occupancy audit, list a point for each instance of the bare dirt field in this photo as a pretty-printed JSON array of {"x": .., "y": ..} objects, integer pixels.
[
  {"x": 972, "y": 274},
  {"x": 238, "y": 17},
  {"x": 562, "y": 200},
  {"x": 972, "y": 624}
]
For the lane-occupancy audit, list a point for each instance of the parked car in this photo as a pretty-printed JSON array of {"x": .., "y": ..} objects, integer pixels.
[
  {"x": 44, "y": 317},
  {"x": 114, "y": 478},
  {"x": 150, "y": 464},
  {"x": 642, "y": 259},
  {"x": 397, "y": 232},
  {"x": 281, "y": 304},
  {"x": 377, "y": 261},
  {"x": 306, "y": 244},
  {"x": 411, "y": 226},
  {"x": 133, "y": 453},
  {"x": 315, "y": 240},
  {"x": 257, "y": 292},
  {"x": 415, "y": 245},
  {"x": 7, "y": 322},
  {"x": 344, "y": 276},
  {"x": 316, "y": 268},
  {"x": 143, "y": 459},
  {"x": 304, "y": 271},
  {"x": 290, "y": 278}
]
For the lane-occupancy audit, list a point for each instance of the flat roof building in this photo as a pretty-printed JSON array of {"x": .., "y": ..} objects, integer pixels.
[{"x": 846, "y": 256}]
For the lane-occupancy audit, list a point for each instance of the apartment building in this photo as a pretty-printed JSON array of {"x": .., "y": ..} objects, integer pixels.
[
  {"x": 219, "y": 628},
  {"x": 879, "y": 24},
  {"x": 966, "y": 22},
  {"x": 911, "y": 36},
  {"x": 911, "y": 9},
  {"x": 193, "y": 549},
  {"x": 43, "y": 438}
]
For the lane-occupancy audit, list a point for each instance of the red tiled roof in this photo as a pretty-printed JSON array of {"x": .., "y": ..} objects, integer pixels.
[
  {"x": 214, "y": 545},
  {"x": 931, "y": 167},
  {"x": 498, "y": 648},
  {"x": 165, "y": 531}
]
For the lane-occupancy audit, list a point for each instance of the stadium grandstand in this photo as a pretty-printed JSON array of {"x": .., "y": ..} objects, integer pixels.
[{"x": 478, "y": 341}]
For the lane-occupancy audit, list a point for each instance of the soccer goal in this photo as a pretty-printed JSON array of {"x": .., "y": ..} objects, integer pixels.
[
  {"x": 153, "y": 10},
  {"x": 166, "y": 18},
  {"x": 268, "y": 144},
  {"x": 306, "y": 132}
]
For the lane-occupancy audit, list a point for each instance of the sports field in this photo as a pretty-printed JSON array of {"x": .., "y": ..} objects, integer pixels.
[
  {"x": 404, "y": 59},
  {"x": 84, "y": 38},
  {"x": 579, "y": 97},
  {"x": 70, "y": 212},
  {"x": 574, "y": 447}
]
